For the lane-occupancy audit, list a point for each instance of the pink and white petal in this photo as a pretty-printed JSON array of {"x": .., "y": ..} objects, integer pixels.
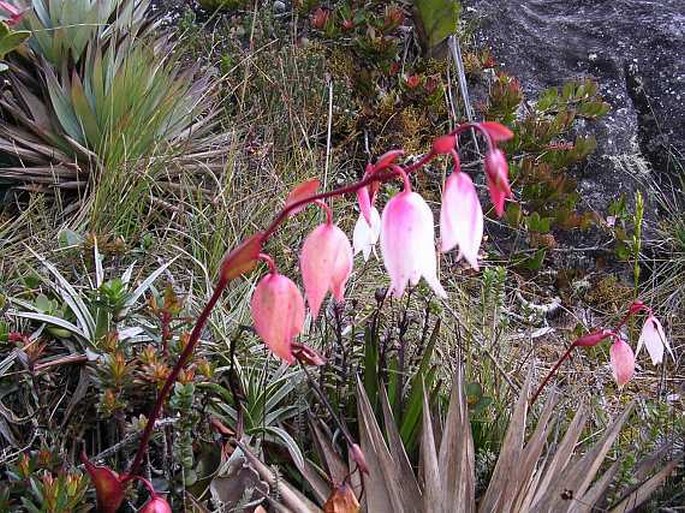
[
  {"x": 461, "y": 218},
  {"x": 662, "y": 335},
  {"x": 315, "y": 266},
  {"x": 375, "y": 225},
  {"x": 449, "y": 220},
  {"x": 341, "y": 268},
  {"x": 650, "y": 338},
  {"x": 278, "y": 313},
  {"x": 622, "y": 362},
  {"x": 361, "y": 238},
  {"x": 397, "y": 225},
  {"x": 364, "y": 199}
]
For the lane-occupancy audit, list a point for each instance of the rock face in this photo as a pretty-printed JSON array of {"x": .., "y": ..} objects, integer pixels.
[{"x": 635, "y": 49}]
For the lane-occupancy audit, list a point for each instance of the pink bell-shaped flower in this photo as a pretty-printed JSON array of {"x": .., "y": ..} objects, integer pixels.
[
  {"x": 497, "y": 178},
  {"x": 366, "y": 234},
  {"x": 278, "y": 313},
  {"x": 407, "y": 242},
  {"x": 622, "y": 361},
  {"x": 326, "y": 264},
  {"x": 461, "y": 218},
  {"x": 654, "y": 339}
]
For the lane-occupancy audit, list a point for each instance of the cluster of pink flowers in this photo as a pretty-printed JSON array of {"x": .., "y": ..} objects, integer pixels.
[
  {"x": 405, "y": 230},
  {"x": 622, "y": 357}
]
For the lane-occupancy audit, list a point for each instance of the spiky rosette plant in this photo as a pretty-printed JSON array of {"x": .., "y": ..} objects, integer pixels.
[
  {"x": 96, "y": 98},
  {"x": 533, "y": 473}
]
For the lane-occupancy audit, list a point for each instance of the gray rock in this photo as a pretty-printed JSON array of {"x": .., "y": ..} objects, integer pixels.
[
  {"x": 635, "y": 49},
  {"x": 279, "y": 7}
]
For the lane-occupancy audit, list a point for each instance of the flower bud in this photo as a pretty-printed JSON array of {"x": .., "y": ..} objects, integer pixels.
[
  {"x": 444, "y": 145},
  {"x": 594, "y": 338},
  {"x": 109, "y": 488},
  {"x": 156, "y": 504},
  {"x": 326, "y": 264},
  {"x": 497, "y": 178}
]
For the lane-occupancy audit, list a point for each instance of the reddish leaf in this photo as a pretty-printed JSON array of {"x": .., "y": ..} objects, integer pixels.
[
  {"x": 242, "y": 259},
  {"x": 497, "y": 131},
  {"x": 300, "y": 192},
  {"x": 109, "y": 488}
]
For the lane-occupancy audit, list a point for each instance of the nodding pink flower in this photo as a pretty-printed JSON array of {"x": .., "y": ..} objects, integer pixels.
[
  {"x": 326, "y": 264},
  {"x": 156, "y": 504},
  {"x": 278, "y": 313},
  {"x": 366, "y": 234},
  {"x": 461, "y": 218},
  {"x": 622, "y": 361},
  {"x": 407, "y": 242},
  {"x": 654, "y": 339},
  {"x": 497, "y": 177}
]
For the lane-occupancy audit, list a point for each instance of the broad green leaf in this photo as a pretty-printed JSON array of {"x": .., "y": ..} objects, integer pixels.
[
  {"x": 11, "y": 41},
  {"x": 438, "y": 19}
]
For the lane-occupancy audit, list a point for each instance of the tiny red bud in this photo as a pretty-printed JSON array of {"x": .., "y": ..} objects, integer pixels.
[
  {"x": 156, "y": 504},
  {"x": 307, "y": 355},
  {"x": 444, "y": 145},
  {"x": 637, "y": 306},
  {"x": 358, "y": 457}
]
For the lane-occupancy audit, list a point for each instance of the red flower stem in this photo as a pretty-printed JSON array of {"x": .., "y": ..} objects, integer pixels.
[
  {"x": 404, "y": 176},
  {"x": 148, "y": 485},
  {"x": 341, "y": 191},
  {"x": 173, "y": 375},
  {"x": 327, "y": 209},
  {"x": 551, "y": 374},
  {"x": 269, "y": 261},
  {"x": 631, "y": 312}
]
